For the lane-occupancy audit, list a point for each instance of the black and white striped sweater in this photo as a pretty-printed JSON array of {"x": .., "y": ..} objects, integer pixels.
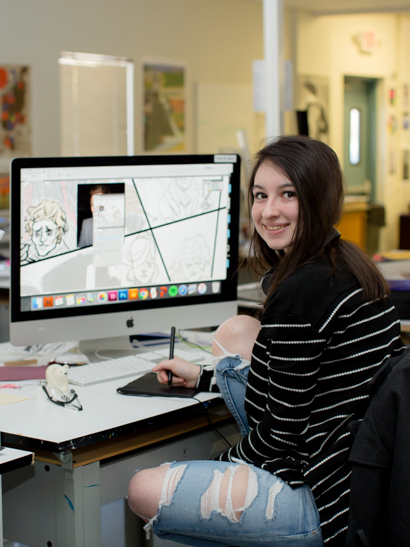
[{"x": 318, "y": 347}]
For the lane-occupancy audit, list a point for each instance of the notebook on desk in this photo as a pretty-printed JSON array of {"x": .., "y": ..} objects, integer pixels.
[
  {"x": 9, "y": 374},
  {"x": 149, "y": 386}
]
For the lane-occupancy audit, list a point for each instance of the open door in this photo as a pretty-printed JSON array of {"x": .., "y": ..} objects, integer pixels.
[
  {"x": 359, "y": 163},
  {"x": 359, "y": 158}
]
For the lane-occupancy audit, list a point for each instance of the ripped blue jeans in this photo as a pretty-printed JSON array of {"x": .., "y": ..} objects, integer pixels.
[
  {"x": 231, "y": 376},
  {"x": 272, "y": 513}
]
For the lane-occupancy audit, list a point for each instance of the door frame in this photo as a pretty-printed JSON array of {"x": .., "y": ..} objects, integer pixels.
[{"x": 373, "y": 129}]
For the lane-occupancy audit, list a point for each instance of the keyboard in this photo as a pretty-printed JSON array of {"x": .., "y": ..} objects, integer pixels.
[
  {"x": 131, "y": 365},
  {"x": 105, "y": 371}
]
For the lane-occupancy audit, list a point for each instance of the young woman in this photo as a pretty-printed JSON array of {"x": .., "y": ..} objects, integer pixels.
[{"x": 326, "y": 328}]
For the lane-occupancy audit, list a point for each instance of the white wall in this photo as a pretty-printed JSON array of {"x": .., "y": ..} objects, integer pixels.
[
  {"x": 326, "y": 47},
  {"x": 217, "y": 41}
]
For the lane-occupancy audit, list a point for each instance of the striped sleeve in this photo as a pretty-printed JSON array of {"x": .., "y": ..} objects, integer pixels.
[
  {"x": 206, "y": 379},
  {"x": 280, "y": 394}
]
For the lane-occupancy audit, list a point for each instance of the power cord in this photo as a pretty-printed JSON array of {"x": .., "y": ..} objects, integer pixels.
[{"x": 204, "y": 408}]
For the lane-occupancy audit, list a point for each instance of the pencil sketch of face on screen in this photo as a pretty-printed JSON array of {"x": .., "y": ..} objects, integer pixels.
[
  {"x": 183, "y": 198},
  {"x": 142, "y": 256},
  {"x": 191, "y": 261},
  {"x": 45, "y": 224}
]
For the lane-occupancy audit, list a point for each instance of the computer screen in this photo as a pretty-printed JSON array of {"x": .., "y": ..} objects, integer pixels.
[{"x": 116, "y": 246}]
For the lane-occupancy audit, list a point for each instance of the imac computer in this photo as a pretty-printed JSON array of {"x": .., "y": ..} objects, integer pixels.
[{"x": 108, "y": 247}]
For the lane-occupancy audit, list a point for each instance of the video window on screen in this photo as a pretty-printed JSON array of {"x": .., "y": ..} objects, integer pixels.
[{"x": 97, "y": 234}]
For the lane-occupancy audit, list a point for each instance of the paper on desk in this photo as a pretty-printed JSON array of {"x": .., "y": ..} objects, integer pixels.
[
  {"x": 198, "y": 337},
  {"x": 394, "y": 270},
  {"x": 9, "y": 398},
  {"x": 396, "y": 254},
  {"x": 43, "y": 353},
  {"x": 202, "y": 339},
  {"x": 47, "y": 349},
  {"x": 189, "y": 354}
]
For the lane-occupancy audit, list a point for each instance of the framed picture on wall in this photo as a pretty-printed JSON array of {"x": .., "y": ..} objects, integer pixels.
[
  {"x": 406, "y": 165},
  {"x": 313, "y": 97},
  {"x": 392, "y": 124},
  {"x": 164, "y": 108},
  {"x": 406, "y": 121},
  {"x": 392, "y": 96},
  {"x": 406, "y": 97},
  {"x": 15, "y": 126}
]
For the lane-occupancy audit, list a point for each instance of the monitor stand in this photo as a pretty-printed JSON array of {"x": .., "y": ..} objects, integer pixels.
[{"x": 121, "y": 346}]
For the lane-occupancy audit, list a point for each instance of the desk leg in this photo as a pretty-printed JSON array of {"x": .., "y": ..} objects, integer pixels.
[
  {"x": 78, "y": 505},
  {"x": 1, "y": 514},
  {"x": 1, "y": 509}
]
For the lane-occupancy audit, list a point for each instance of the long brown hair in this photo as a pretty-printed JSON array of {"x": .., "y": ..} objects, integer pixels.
[{"x": 315, "y": 171}]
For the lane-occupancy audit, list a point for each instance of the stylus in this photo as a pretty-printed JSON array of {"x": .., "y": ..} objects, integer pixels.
[{"x": 171, "y": 352}]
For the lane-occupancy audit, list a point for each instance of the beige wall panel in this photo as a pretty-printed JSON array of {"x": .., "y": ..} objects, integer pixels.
[{"x": 216, "y": 39}]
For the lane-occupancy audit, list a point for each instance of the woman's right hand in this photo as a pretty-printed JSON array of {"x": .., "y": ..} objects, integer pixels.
[{"x": 184, "y": 373}]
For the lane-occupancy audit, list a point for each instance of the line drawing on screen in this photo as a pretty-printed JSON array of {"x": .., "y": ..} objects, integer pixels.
[
  {"x": 45, "y": 226},
  {"x": 162, "y": 242}
]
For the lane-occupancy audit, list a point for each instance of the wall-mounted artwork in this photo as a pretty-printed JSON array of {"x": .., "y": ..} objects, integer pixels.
[
  {"x": 392, "y": 96},
  {"x": 392, "y": 124},
  {"x": 164, "y": 107},
  {"x": 313, "y": 96},
  {"x": 392, "y": 160},
  {"x": 405, "y": 97},
  {"x": 406, "y": 121},
  {"x": 15, "y": 127},
  {"x": 406, "y": 164}
]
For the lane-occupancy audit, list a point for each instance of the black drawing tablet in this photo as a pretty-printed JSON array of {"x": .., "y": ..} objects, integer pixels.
[{"x": 148, "y": 385}]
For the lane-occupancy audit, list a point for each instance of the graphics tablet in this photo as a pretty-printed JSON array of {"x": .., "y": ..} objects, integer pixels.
[{"x": 148, "y": 385}]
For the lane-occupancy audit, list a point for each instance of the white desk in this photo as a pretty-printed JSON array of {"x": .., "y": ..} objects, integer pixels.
[
  {"x": 84, "y": 460},
  {"x": 12, "y": 459}
]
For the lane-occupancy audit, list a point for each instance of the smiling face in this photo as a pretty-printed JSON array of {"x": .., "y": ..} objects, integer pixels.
[{"x": 275, "y": 208}]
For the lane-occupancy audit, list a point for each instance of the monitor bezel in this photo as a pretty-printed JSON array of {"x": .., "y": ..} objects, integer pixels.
[{"x": 228, "y": 287}]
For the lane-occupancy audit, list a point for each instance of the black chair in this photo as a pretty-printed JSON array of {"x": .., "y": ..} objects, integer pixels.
[{"x": 379, "y": 514}]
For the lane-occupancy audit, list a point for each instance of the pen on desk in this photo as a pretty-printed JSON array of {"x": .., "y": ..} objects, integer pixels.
[{"x": 171, "y": 352}]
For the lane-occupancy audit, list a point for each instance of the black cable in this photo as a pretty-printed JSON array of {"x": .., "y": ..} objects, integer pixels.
[{"x": 203, "y": 407}]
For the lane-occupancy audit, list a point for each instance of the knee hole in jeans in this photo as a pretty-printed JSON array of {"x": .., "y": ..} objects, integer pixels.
[
  {"x": 230, "y": 493},
  {"x": 146, "y": 500},
  {"x": 274, "y": 490},
  {"x": 172, "y": 478}
]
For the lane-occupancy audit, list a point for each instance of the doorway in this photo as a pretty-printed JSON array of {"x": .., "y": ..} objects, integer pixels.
[{"x": 360, "y": 125}]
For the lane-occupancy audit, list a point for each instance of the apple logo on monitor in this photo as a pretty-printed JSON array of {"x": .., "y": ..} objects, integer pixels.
[{"x": 130, "y": 322}]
